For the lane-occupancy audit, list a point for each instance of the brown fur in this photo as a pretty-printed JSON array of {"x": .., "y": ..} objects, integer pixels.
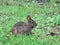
[{"x": 24, "y": 28}]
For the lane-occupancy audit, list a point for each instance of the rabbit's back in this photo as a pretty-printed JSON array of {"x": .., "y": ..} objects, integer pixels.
[{"x": 19, "y": 24}]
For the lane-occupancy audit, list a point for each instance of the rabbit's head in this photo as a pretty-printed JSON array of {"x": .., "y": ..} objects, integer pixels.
[{"x": 31, "y": 22}]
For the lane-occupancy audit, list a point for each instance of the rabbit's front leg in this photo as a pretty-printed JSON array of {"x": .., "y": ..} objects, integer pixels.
[{"x": 31, "y": 33}]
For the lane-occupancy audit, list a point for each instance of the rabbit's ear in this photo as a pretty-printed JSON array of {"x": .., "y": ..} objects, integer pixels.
[{"x": 28, "y": 17}]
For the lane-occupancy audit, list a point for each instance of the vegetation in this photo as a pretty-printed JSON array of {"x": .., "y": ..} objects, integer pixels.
[{"x": 45, "y": 15}]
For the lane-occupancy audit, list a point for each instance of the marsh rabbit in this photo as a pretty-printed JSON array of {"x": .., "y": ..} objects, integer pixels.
[{"x": 24, "y": 28}]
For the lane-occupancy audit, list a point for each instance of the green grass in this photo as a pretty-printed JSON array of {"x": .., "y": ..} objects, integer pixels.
[{"x": 9, "y": 15}]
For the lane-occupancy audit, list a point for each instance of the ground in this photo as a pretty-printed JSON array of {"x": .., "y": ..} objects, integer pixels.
[{"x": 9, "y": 15}]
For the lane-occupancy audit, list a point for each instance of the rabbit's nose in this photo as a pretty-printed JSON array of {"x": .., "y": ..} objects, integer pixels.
[{"x": 31, "y": 26}]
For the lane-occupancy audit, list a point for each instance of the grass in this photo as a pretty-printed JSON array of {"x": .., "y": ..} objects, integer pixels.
[{"x": 9, "y": 15}]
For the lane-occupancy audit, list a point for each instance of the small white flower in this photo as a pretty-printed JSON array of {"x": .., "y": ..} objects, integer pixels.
[{"x": 52, "y": 19}]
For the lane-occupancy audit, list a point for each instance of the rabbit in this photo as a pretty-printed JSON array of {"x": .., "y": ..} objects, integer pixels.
[{"x": 24, "y": 28}]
